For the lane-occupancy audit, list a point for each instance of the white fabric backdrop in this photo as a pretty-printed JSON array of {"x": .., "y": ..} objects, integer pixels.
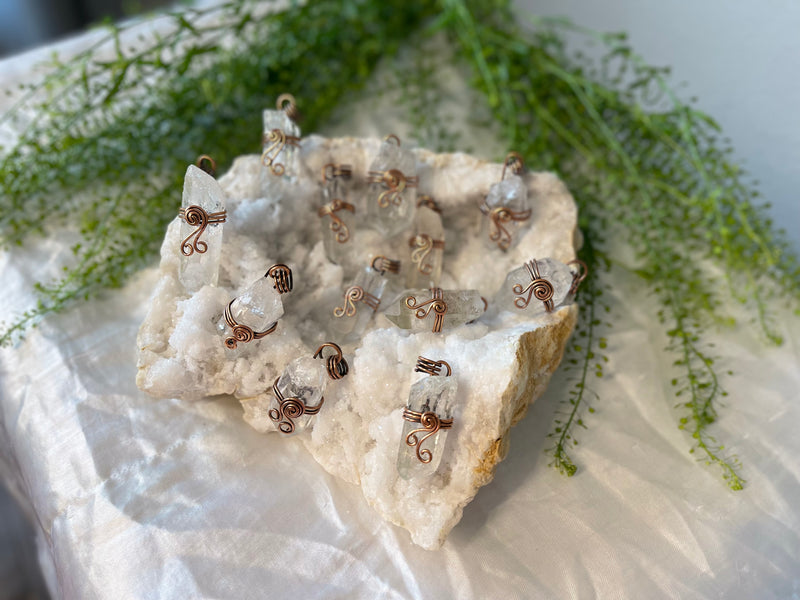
[{"x": 140, "y": 498}]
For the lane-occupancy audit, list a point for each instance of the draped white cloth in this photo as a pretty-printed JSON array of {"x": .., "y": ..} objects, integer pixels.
[{"x": 141, "y": 498}]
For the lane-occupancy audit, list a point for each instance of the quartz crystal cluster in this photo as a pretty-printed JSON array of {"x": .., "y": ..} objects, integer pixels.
[{"x": 377, "y": 428}]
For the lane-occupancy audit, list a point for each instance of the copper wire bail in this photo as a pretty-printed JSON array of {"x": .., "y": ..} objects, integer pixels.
[
  {"x": 428, "y": 202},
  {"x": 335, "y": 364},
  {"x": 382, "y": 264},
  {"x": 432, "y": 367},
  {"x": 210, "y": 164},
  {"x": 282, "y": 275},
  {"x": 579, "y": 275},
  {"x": 332, "y": 170},
  {"x": 392, "y": 137},
  {"x": 288, "y": 104},
  {"x": 516, "y": 162}
]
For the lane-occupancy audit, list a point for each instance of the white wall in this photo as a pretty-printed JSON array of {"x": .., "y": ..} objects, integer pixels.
[{"x": 741, "y": 58}]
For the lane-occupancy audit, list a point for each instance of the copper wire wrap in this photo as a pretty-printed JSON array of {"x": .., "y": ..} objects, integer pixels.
[
  {"x": 331, "y": 171},
  {"x": 337, "y": 225},
  {"x": 335, "y": 364},
  {"x": 515, "y": 161},
  {"x": 282, "y": 275},
  {"x": 431, "y": 424},
  {"x": 274, "y": 142},
  {"x": 199, "y": 218},
  {"x": 428, "y": 202},
  {"x": 382, "y": 265},
  {"x": 578, "y": 275},
  {"x": 499, "y": 216},
  {"x": 422, "y": 245},
  {"x": 436, "y": 304},
  {"x": 242, "y": 333},
  {"x": 395, "y": 183},
  {"x": 538, "y": 288},
  {"x": 353, "y": 294},
  {"x": 289, "y": 409},
  {"x": 432, "y": 367},
  {"x": 207, "y": 164},
  {"x": 393, "y": 138},
  {"x": 288, "y": 104}
]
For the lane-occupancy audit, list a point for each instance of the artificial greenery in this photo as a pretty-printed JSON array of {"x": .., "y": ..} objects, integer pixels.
[{"x": 117, "y": 124}]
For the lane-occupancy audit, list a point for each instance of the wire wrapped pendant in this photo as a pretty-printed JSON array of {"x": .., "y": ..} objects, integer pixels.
[
  {"x": 392, "y": 188},
  {"x": 280, "y": 143},
  {"x": 540, "y": 286},
  {"x": 506, "y": 206}
]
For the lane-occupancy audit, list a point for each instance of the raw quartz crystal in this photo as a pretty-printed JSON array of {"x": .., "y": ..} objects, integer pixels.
[
  {"x": 435, "y": 393},
  {"x": 391, "y": 211},
  {"x": 506, "y": 210},
  {"x": 351, "y": 316},
  {"x": 302, "y": 385},
  {"x": 200, "y": 250},
  {"x": 258, "y": 307},
  {"x": 463, "y": 306},
  {"x": 427, "y": 250},
  {"x": 557, "y": 279},
  {"x": 337, "y": 218},
  {"x": 285, "y": 165}
]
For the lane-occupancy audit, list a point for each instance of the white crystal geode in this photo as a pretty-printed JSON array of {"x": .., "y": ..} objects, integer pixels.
[{"x": 502, "y": 362}]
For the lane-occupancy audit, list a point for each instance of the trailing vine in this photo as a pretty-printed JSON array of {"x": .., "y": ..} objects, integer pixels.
[{"x": 116, "y": 125}]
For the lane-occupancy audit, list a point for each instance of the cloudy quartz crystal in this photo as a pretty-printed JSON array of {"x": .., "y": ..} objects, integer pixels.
[
  {"x": 357, "y": 305},
  {"x": 301, "y": 387},
  {"x": 285, "y": 164},
  {"x": 418, "y": 310},
  {"x": 506, "y": 210},
  {"x": 426, "y": 247},
  {"x": 436, "y": 394},
  {"x": 201, "y": 246},
  {"x": 392, "y": 200},
  {"x": 337, "y": 218},
  {"x": 523, "y": 291},
  {"x": 258, "y": 307}
]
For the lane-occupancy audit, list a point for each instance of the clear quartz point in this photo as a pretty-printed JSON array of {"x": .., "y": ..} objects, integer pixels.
[
  {"x": 200, "y": 250},
  {"x": 435, "y": 394},
  {"x": 302, "y": 386},
  {"x": 354, "y": 313},
  {"x": 398, "y": 213},
  {"x": 463, "y": 306},
  {"x": 339, "y": 227},
  {"x": 504, "y": 226},
  {"x": 426, "y": 255},
  {"x": 258, "y": 307},
  {"x": 272, "y": 182},
  {"x": 555, "y": 273}
]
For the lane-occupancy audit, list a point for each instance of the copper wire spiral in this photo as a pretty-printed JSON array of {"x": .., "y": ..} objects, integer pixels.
[
  {"x": 242, "y": 334},
  {"x": 499, "y": 216},
  {"x": 435, "y": 304},
  {"x": 277, "y": 140},
  {"x": 282, "y": 275},
  {"x": 431, "y": 367},
  {"x": 353, "y": 294},
  {"x": 394, "y": 182},
  {"x": 335, "y": 364},
  {"x": 289, "y": 409},
  {"x": 423, "y": 244},
  {"x": 195, "y": 216},
  {"x": 337, "y": 225},
  {"x": 431, "y": 424},
  {"x": 539, "y": 288}
]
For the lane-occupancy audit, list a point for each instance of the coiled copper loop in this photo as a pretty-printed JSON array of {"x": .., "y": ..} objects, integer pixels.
[
  {"x": 353, "y": 294},
  {"x": 282, "y": 276},
  {"x": 381, "y": 264},
  {"x": 428, "y": 202},
  {"x": 431, "y": 424},
  {"x": 436, "y": 303},
  {"x": 395, "y": 183},
  {"x": 197, "y": 217},
  {"x": 288, "y": 104},
  {"x": 210, "y": 164},
  {"x": 273, "y": 143},
  {"x": 422, "y": 245},
  {"x": 499, "y": 216},
  {"x": 242, "y": 333},
  {"x": 432, "y": 367},
  {"x": 515, "y": 161},
  {"x": 538, "y": 288},
  {"x": 337, "y": 225},
  {"x": 578, "y": 275},
  {"x": 332, "y": 170},
  {"x": 289, "y": 409},
  {"x": 335, "y": 364}
]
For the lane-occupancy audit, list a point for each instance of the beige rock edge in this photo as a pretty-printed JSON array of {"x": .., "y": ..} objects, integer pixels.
[{"x": 502, "y": 362}]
